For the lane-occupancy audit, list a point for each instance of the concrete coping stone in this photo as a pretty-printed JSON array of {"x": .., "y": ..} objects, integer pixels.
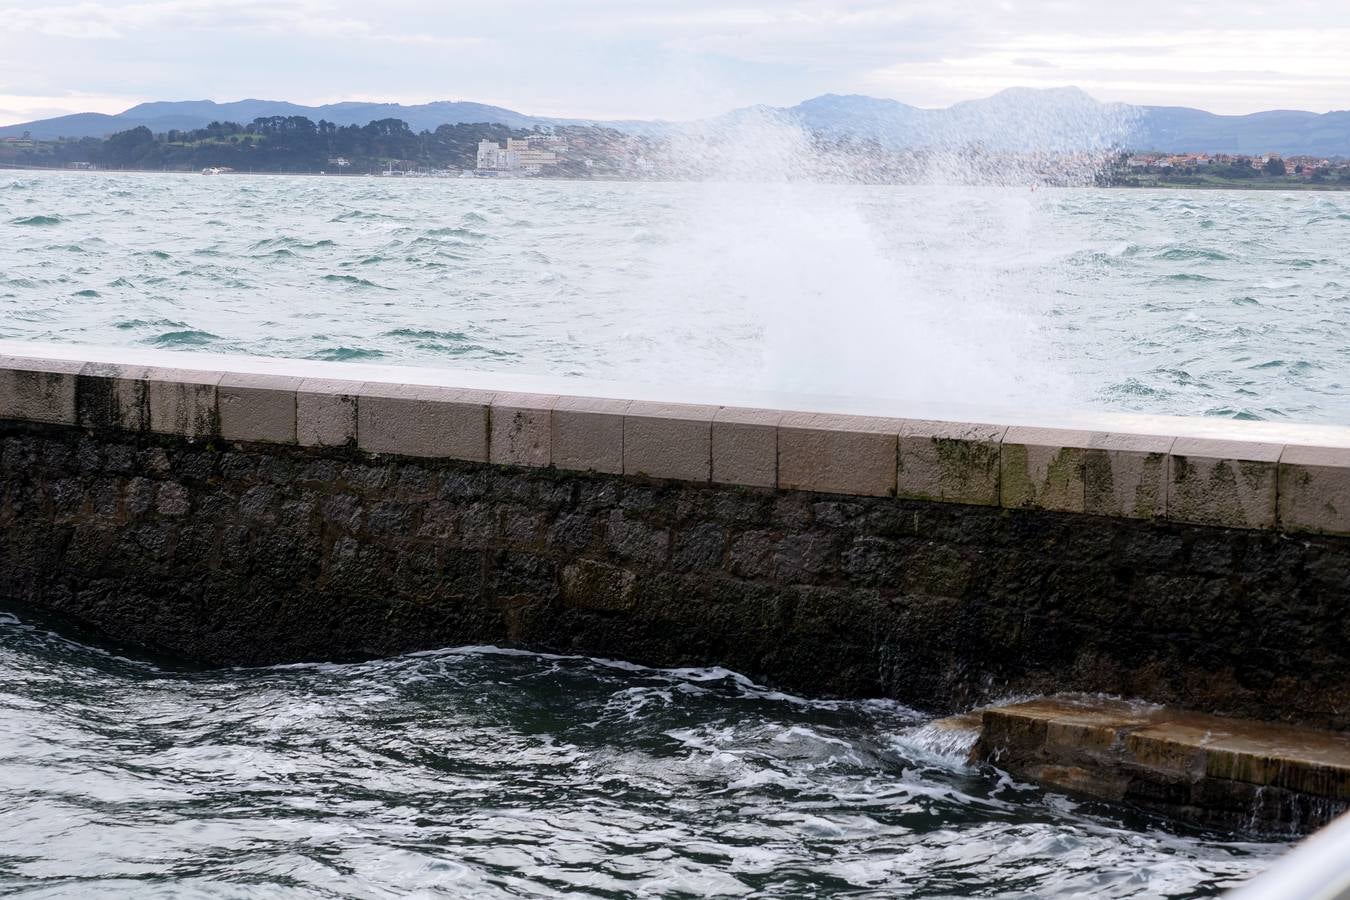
[
  {"x": 423, "y": 420},
  {"x": 838, "y": 454},
  {"x": 258, "y": 407},
  {"x": 745, "y": 446},
  {"x": 668, "y": 440},
  {"x": 954, "y": 462},
  {"x": 1313, "y": 489},
  {"x": 39, "y": 390},
  {"x": 325, "y": 412},
  {"x": 522, "y": 429},
  {"x": 587, "y": 434},
  {"x": 1224, "y": 481}
]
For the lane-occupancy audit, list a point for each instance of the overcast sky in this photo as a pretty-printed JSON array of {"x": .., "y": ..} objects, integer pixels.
[{"x": 672, "y": 59}]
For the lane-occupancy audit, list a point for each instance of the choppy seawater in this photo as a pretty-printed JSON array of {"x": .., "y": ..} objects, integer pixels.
[
  {"x": 1192, "y": 303},
  {"x": 484, "y": 773}
]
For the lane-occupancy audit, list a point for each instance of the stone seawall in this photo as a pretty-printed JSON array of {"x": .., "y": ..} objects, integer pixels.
[{"x": 239, "y": 518}]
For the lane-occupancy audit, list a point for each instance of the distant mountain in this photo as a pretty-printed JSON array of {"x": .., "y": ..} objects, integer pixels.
[
  {"x": 188, "y": 114},
  {"x": 1060, "y": 118},
  {"x": 1018, "y": 118}
]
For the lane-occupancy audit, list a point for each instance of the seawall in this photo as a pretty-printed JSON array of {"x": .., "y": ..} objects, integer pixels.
[{"x": 244, "y": 517}]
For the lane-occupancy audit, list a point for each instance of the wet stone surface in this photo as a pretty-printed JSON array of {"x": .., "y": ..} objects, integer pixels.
[{"x": 253, "y": 556}]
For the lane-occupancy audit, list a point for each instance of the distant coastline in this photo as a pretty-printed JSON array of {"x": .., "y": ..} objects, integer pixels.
[
  {"x": 390, "y": 148},
  {"x": 1161, "y": 185}
]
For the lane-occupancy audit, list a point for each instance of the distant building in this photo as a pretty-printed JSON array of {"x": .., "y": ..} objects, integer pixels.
[{"x": 520, "y": 156}]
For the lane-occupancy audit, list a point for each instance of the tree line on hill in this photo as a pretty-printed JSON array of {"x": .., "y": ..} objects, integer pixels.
[{"x": 276, "y": 144}]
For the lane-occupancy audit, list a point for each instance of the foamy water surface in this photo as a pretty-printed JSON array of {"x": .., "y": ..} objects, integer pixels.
[
  {"x": 484, "y": 773},
  {"x": 1228, "y": 304}
]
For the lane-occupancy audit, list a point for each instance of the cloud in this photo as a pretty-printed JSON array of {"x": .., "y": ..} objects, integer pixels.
[{"x": 676, "y": 58}]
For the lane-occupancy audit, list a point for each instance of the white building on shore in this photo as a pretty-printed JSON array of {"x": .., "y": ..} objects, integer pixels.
[{"x": 520, "y": 156}]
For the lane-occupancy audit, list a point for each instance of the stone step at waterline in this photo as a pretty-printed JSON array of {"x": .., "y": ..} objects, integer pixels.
[
  {"x": 1212, "y": 770},
  {"x": 1234, "y": 482}
]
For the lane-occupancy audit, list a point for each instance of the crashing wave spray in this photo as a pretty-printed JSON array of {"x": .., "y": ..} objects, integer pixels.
[{"x": 928, "y": 290}]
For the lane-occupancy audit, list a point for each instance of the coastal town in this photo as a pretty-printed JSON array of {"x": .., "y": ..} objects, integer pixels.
[{"x": 389, "y": 148}]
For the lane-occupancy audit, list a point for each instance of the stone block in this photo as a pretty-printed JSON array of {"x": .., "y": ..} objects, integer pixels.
[
  {"x": 1042, "y": 468},
  {"x": 38, "y": 390},
  {"x": 1314, "y": 489},
  {"x": 522, "y": 430},
  {"x": 1126, "y": 475},
  {"x": 952, "y": 462},
  {"x": 745, "y": 446},
  {"x": 182, "y": 402},
  {"x": 1219, "y": 482},
  {"x": 588, "y": 434},
  {"x": 113, "y": 396},
  {"x": 258, "y": 408},
  {"x": 422, "y": 420},
  {"x": 838, "y": 454},
  {"x": 668, "y": 440},
  {"x": 325, "y": 412}
]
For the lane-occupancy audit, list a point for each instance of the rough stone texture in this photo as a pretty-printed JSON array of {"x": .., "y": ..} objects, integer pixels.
[
  {"x": 38, "y": 390},
  {"x": 273, "y": 553},
  {"x": 258, "y": 407},
  {"x": 1230, "y": 483},
  {"x": 838, "y": 454},
  {"x": 1043, "y": 468},
  {"x": 668, "y": 440},
  {"x": 1222, "y": 772},
  {"x": 325, "y": 412},
  {"x": 588, "y": 434},
  {"x": 955, "y": 462},
  {"x": 1314, "y": 489},
  {"x": 745, "y": 446},
  {"x": 1126, "y": 475},
  {"x": 419, "y": 420},
  {"x": 522, "y": 430}
]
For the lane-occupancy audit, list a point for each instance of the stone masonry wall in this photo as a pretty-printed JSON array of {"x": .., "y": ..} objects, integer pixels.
[{"x": 230, "y": 553}]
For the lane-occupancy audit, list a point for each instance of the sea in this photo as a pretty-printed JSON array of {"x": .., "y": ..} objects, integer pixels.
[{"x": 491, "y": 772}]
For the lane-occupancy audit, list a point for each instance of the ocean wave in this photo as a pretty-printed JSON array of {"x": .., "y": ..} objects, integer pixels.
[
  {"x": 38, "y": 220},
  {"x": 346, "y": 354},
  {"x": 189, "y": 338},
  {"x": 352, "y": 280},
  {"x": 1174, "y": 254}
]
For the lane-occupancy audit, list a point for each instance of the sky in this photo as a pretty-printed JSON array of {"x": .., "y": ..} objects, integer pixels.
[{"x": 671, "y": 59}]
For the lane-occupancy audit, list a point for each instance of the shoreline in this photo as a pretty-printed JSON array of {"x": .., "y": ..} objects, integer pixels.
[{"x": 1293, "y": 188}]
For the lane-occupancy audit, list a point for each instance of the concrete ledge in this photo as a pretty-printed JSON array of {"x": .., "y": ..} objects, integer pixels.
[
  {"x": 1232, "y": 773},
  {"x": 745, "y": 447},
  {"x": 325, "y": 412},
  {"x": 588, "y": 434},
  {"x": 838, "y": 454},
  {"x": 668, "y": 440},
  {"x": 1229, "y": 483},
  {"x": 522, "y": 430},
  {"x": 1044, "y": 468},
  {"x": 259, "y": 408},
  {"x": 1314, "y": 489},
  {"x": 38, "y": 390},
  {"x": 1126, "y": 475},
  {"x": 950, "y": 462},
  {"x": 417, "y": 420}
]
